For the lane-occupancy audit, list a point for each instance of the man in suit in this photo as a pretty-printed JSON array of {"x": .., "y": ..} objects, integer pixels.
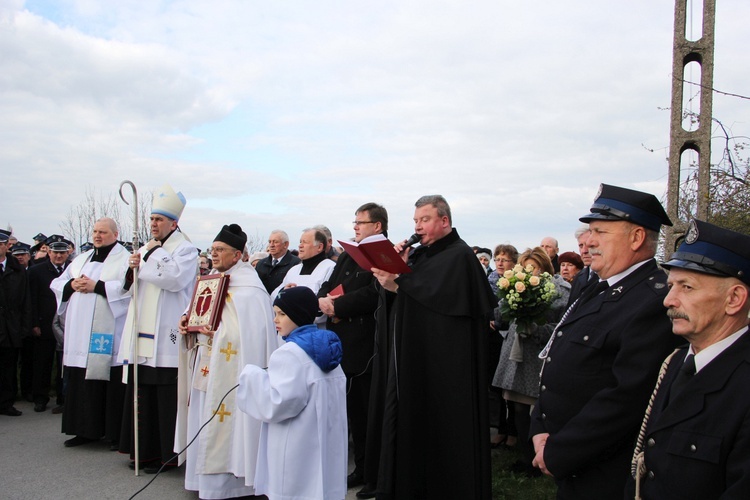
[
  {"x": 351, "y": 316},
  {"x": 604, "y": 355},
  {"x": 585, "y": 276},
  {"x": 273, "y": 268},
  {"x": 695, "y": 437}
]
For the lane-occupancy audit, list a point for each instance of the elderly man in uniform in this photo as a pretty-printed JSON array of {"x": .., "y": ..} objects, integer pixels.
[
  {"x": 695, "y": 437},
  {"x": 89, "y": 292},
  {"x": 221, "y": 463},
  {"x": 44, "y": 308},
  {"x": 167, "y": 266},
  {"x": 603, "y": 356}
]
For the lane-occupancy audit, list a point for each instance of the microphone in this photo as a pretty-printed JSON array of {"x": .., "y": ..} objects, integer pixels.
[{"x": 414, "y": 238}]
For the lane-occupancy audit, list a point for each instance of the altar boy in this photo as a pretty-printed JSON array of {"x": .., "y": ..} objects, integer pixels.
[{"x": 301, "y": 400}]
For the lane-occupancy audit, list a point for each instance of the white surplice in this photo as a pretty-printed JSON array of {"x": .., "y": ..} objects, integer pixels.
[
  {"x": 304, "y": 439},
  {"x": 79, "y": 308},
  {"x": 221, "y": 462}
]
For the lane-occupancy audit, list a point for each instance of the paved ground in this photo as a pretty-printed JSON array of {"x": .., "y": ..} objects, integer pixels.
[{"x": 34, "y": 464}]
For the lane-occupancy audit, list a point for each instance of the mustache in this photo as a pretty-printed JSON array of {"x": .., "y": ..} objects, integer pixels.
[
  {"x": 672, "y": 314},
  {"x": 594, "y": 251}
]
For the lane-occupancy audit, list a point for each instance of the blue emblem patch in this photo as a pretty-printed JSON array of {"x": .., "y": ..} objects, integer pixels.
[{"x": 101, "y": 343}]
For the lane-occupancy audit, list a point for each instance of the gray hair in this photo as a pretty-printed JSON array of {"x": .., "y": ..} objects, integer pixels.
[
  {"x": 284, "y": 236},
  {"x": 437, "y": 201},
  {"x": 583, "y": 229}
]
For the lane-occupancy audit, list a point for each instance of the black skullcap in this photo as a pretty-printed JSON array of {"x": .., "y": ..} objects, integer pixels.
[
  {"x": 617, "y": 203},
  {"x": 299, "y": 303},
  {"x": 711, "y": 249},
  {"x": 233, "y": 236}
]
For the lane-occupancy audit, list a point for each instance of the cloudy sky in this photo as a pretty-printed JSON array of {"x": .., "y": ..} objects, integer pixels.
[{"x": 290, "y": 114}]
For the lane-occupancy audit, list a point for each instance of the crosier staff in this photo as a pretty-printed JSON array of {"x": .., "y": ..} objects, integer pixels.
[{"x": 134, "y": 340}]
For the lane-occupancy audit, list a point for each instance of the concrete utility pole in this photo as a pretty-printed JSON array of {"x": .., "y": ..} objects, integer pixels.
[{"x": 684, "y": 52}]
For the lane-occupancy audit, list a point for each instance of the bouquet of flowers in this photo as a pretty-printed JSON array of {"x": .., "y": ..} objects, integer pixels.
[{"x": 525, "y": 297}]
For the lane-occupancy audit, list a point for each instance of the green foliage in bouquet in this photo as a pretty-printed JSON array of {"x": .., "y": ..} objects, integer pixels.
[{"x": 525, "y": 297}]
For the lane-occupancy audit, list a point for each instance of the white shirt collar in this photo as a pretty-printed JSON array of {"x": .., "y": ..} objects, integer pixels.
[
  {"x": 709, "y": 353},
  {"x": 612, "y": 280}
]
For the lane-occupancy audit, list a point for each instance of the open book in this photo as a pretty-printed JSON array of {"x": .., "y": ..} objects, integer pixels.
[{"x": 376, "y": 251}]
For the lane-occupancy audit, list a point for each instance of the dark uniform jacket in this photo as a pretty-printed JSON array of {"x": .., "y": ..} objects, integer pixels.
[
  {"x": 354, "y": 322},
  {"x": 15, "y": 305},
  {"x": 43, "y": 301},
  {"x": 597, "y": 381},
  {"x": 273, "y": 276},
  {"x": 698, "y": 444}
]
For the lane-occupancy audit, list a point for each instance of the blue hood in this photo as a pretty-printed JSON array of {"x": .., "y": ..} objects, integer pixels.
[{"x": 323, "y": 346}]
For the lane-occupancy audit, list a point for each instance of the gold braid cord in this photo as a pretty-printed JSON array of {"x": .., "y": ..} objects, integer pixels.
[{"x": 638, "y": 464}]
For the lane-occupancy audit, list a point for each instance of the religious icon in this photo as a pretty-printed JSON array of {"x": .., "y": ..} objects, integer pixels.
[{"x": 208, "y": 302}]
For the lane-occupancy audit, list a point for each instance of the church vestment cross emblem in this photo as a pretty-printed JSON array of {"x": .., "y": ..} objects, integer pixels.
[
  {"x": 222, "y": 412},
  {"x": 204, "y": 370},
  {"x": 228, "y": 351}
]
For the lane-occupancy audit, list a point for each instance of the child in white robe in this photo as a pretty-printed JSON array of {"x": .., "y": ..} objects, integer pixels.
[{"x": 301, "y": 400}]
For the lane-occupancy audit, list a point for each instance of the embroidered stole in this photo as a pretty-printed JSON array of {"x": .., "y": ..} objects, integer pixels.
[
  {"x": 148, "y": 312},
  {"x": 102, "y": 338}
]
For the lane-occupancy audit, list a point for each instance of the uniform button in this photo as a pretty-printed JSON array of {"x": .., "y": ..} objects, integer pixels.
[
  {"x": 544, "y": 388},
  {"x": 585, "y": 338},
  {"x": 544, "y": 416},
  {"x": 559, "y": 334},
  {"x": 651, "y": 442},
  {"x": 651, "y": 474},
  {"x": 693, "y": 448},
  {"x": 549, "y": 359}
]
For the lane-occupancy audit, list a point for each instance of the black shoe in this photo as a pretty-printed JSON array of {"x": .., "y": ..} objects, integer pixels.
[
  {"x": 11, "y": 412},
  {"x": 356, "y": 478},
  {"x": 367, "y": 492},
  {"x": 40, "y": 407},
  {"x": 58, "y": 409},
  {"x": 153, "y": 469},
  {"x": 143, "y": 464},
  {"x": 77, "y": 441}
]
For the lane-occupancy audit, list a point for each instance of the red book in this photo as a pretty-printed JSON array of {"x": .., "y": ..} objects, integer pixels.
[
  {"x": 376, "y": 251},
  {"x": 338, "y": 291},
  {"x": 208, "y": 301}
]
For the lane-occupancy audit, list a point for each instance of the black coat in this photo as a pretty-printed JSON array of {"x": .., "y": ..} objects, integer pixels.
[
  {"x": 43, "y": 301},
  {"x": 15, "y": 304},
  {"x": 580, "y": 282},
  {"x": 355, "y": 312},
  {"x": 698, "y": 445},
  {"x": 597, "y": 381},
  {"x": 435, "y": 442},
  {"x": 273, "y": 276}
]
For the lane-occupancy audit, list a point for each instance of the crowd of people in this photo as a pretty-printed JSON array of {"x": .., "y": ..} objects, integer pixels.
[{"x": 628, "y": 381}]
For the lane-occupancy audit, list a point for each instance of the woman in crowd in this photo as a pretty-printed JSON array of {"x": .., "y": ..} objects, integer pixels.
[
  {"x": 570, "y": 265},
  {"x": 501, "y": 414},
  {"x": 518, "y": 370}
]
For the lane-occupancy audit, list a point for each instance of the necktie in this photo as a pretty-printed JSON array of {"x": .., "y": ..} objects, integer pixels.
[
  {"x": 2, "y": 268},
  {"x": 687, "y": 370},
  {"x": 593, "y": 290},
  {"x": 59, "y": 270},
  {"x": 275, "y": 262}
]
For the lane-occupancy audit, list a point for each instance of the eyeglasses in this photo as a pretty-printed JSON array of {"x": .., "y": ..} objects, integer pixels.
[
  {"x": 504, "y": 261},
  {"x": 219, "y": 249},
  {"x": 360, "y": 222}
]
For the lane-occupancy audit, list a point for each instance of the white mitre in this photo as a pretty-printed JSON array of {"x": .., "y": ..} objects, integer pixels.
[{"x": 168, "y": 203}]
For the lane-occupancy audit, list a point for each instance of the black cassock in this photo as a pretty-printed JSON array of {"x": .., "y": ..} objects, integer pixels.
[{"x": 433, "y": 396}]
